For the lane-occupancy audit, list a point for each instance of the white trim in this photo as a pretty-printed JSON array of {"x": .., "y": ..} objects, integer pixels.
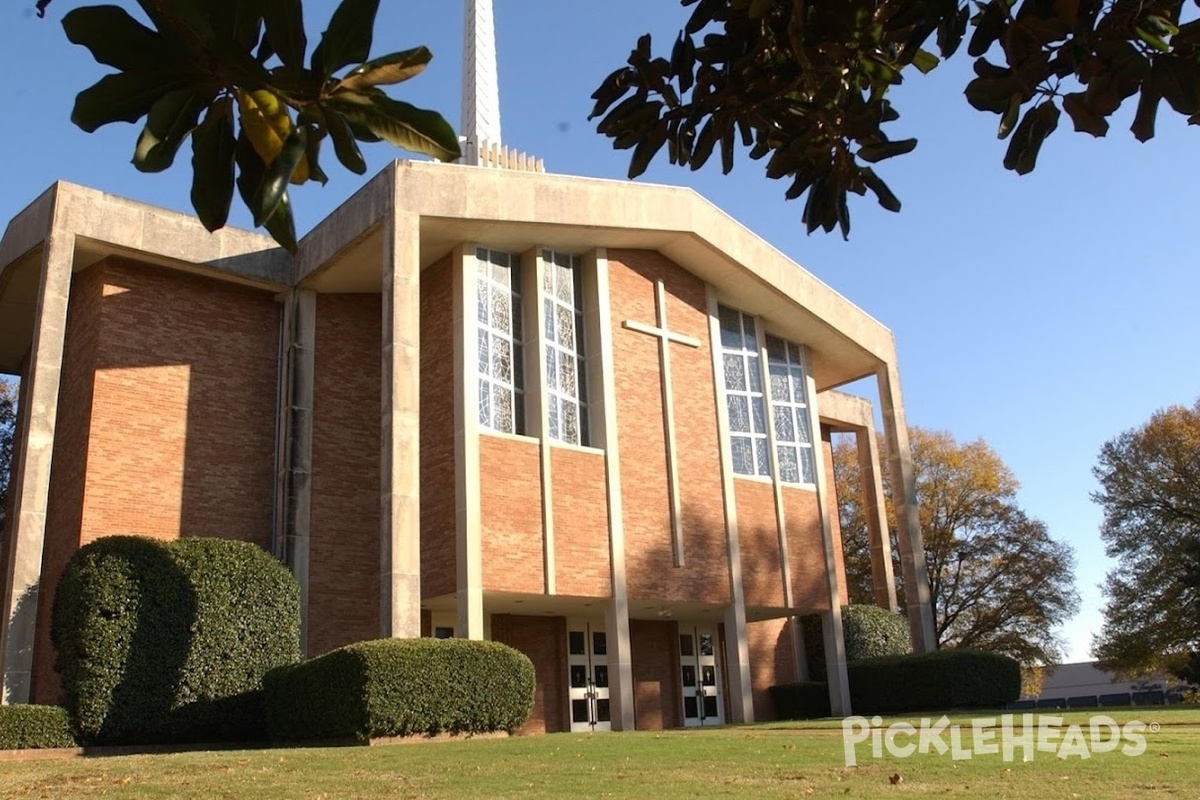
[
  {"x": 597, "y": 318},
  {"x": 741, "y": 698},
  {"x": 467, "y": 522},
  {"x": 538, "y": 400},
  {"x": 578, "y": 448}
]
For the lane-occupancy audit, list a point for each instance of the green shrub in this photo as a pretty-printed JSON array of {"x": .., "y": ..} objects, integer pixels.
[
  {"x": 806, "y": 700},
  {"x": 168, "y": 641},
  {"x": 874, "y": 632},
  {"x": 936, "y": 681},
  {"x": 401, "y": 687},
  {"x": 869, "y": 632},
  {"x": 25, "y": 727}
]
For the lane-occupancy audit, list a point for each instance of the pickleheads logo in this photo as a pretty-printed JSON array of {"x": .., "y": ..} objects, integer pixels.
[{"x": 991, "y": 736}]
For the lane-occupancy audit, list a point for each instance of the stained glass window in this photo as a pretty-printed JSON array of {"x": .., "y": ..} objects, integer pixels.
[
  {"x": 744, "y": 393},
  {"x": 501, "y": 362},
  {"x": 566, "y": 373},
  {"x": 789, "y": 403}
]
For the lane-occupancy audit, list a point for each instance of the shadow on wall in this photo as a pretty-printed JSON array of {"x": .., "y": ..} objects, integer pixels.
[{"x": 166, "y": 417}]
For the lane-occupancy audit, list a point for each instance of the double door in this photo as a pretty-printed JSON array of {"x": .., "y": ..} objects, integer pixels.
[
  {"x": 700, "y": 677},
  {"x": 587, "y": 675}
]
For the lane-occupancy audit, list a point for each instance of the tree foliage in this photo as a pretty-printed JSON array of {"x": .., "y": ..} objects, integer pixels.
[
  {"x": 8, "y": 433},
  {"x": 998, "y": 581},
  {"x": 1150, "y": 492},
  {"x": 805, "y": 84},
  {"x": 231, "y": 74}
]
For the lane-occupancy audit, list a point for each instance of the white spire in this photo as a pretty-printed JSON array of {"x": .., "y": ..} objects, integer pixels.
[{"x": 481, "y": 88}]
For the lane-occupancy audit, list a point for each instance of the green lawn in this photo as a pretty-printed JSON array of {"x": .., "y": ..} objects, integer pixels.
[{"x": 769, "y": 760}]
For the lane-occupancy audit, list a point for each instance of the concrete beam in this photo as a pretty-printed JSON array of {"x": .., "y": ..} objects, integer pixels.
[
  {"x": 32, "y": 474},
  {"x": 904, "y": 500},
  {"x": 400, "y": 457},
  {"x": 471, "y": 622}
]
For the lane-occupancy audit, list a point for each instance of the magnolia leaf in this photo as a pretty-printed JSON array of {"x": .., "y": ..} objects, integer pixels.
[
  {"x": 399, "y": 123},
  {"x": 344, "y": 145},
  {"x": 284, "y": 22},
  {"x": 1147, "y": 110},
  {"x": 385, "y": 70},
  {"x": 124, "y": 97},
  {"x": 266, "y": 122},
  {"x": 278, "y": 174},
  {"x": 647, "y": 148},
  {"x": 347, "y": 40},
  {"x": 251, "y": 171},
  {"x": 881, "y": 190},
  {"x": 925, "y": 61},
  {"x": 1086, "y": 118},
  {"x": 171, "y": 119},
  {"x": 212, "y": 165},
  {"x": 1010, "y": 117},
  {"x": 118, "y": 40},
  {"x": 882, "y": 150}
]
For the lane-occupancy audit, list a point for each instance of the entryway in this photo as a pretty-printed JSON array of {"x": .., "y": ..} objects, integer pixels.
[
  {"x": 587, "y": 674},
  {"x": 700, "y": 676}
]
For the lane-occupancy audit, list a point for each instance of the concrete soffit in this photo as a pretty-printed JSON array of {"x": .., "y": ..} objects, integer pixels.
[{"x": 516, "y": 211}]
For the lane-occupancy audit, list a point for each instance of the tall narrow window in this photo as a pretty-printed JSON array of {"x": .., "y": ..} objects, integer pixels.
[
  {"x": 501, "y": 372},
  {"x": 566, "y": 384},
  {"x": 744, "y": 393},
  {"x": 789, "y": 405}
]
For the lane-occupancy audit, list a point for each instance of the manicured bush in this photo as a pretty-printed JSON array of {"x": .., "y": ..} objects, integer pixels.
[
  {"x": 805, "y": 700},
  {"x": 936, "y": 681},
  {"x": 24, "y": 727},
  {"x": 401, "y": 687},
  {"x": 169, "y": 641},
  {"x": 868, "y": 631}
]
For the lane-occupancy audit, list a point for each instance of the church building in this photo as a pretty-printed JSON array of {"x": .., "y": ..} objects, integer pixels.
[{"x": 587, "y": 418}]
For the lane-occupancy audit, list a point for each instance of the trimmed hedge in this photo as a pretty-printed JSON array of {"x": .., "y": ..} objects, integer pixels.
[
  {"x": 169, "y": 641},
  {"x": 401, "y": 687},
  {"x": 805, "y": 700},
  {"x": 868, "y": 631},
  {"x": 874, "y": 632},
  {"x": 936, "y": 681},
  {"x": 24, "y": 727}
]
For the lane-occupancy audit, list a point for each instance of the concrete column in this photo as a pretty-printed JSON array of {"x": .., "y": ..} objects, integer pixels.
[
  {"x": 400, "y": 498},
  {"x": 737, "y": 649},
  {"x": 883, "y": 582},
  {"x": 468, "y": 549},
  {"x": 908, "y": 520},
  {"x": 603, "y": 415},
  {"x": 298, "y": 433},
  {"x": 831, "y": 620},
  {"x": 537, "y": 404},
  {"x": 31, "y": 478}
]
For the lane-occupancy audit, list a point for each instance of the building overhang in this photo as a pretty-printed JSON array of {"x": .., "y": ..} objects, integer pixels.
[{"x": 517, "y": 211}]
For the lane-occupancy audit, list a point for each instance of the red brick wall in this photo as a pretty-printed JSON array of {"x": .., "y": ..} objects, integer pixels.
[
  {"x": 510, "y": 515},
  {"x": 654, "y": 648},
  {"x": 581, "y": 552},
  {"x": 167, "y": 415},
  {"x": 343, "y": 600},
  {"x": 648, "y": 552},
  {"x": 771, "y": 662},
  {"x": 758, "y": 540},
  {"x": 544, "y": 640},
  {"x": 438, "y": 570},
  {"x": 806, "y": 553}
]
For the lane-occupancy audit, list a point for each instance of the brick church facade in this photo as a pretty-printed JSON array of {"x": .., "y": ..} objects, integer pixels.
[{"x": 590, "y": 419}]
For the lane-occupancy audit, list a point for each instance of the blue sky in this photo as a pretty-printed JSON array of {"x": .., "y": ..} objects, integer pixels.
[{"x": 1045, "y": 314}]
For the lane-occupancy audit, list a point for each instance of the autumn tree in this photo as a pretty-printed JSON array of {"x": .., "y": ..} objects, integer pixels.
[
  {"x": 997, "y": 579},
  {"x": 8, "y": 431},
  {"x": 1150, "y": 492},
  {"x": 806, "y": 85}
]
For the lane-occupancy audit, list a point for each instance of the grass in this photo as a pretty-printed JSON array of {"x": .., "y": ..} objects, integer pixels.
[{"x": 769, "y": 760}]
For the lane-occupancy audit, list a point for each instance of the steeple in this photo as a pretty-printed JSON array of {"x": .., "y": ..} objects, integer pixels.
[{"x": 481, "y": 88}]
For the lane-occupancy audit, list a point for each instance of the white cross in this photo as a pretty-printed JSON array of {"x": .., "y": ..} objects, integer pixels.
[{"x": 665, "y": 337}]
